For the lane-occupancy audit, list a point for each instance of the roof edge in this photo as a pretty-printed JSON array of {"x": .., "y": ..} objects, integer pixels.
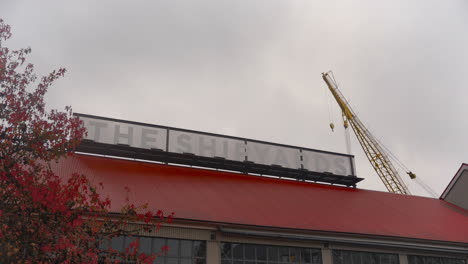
[
  {"x": 328, "y": 232},
  {"x": 363, "y": 242}
]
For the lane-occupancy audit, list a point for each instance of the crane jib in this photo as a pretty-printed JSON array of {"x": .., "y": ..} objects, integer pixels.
[{"x": 375, "y": 153}]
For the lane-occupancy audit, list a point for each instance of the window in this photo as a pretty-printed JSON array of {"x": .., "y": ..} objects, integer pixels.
[
  {"x": 180, "y": 251},
  {"x": 434, "y": 260},
  {"x": 356, "y": 257},
  {"x": 235, "y": 253}
]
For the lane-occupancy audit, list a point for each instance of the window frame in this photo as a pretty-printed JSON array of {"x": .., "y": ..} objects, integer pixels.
[
  {"x": 440, "y": 258},
  {"x": 315, "y": 254},
  {"x": 195, "y": 245},
  {"x": 375, "y": 256}
]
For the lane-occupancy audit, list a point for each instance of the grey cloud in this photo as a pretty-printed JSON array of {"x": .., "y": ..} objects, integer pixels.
[{"x": 252, "y": 68}]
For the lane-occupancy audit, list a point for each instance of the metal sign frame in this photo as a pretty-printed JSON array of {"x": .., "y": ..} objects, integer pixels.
[{"x": 175, "y": 146}]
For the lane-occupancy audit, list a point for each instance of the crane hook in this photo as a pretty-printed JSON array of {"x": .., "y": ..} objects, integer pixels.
[
  {"x": 345, "y": 124},
  {"x": 332, "y": 126}
]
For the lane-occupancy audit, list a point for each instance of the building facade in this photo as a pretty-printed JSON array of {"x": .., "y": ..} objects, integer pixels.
[{"x": 226, "y": 212}]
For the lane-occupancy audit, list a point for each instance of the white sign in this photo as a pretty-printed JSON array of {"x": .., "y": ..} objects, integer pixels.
[
  {"x": 269, "y": 154},
  {"x": 325, "y": 162},
  {"x": 207, "y": 145},
  {"x": 137, "y": 136}
]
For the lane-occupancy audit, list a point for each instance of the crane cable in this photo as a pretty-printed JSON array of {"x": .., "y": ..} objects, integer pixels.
[
  {"x": 348, "y": 140},
  {"x": 345, "y": 122},
  {"x": 418, "y": 180},
  {"x": 330, "y": 113},
  {"x": 328, "y": 99}
]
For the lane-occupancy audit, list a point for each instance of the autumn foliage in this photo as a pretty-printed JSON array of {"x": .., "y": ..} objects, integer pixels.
[{"x": 45, "y": 218}]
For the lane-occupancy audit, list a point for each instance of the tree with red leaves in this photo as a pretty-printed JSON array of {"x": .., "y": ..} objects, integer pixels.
[{"x": 45, "y": 218}]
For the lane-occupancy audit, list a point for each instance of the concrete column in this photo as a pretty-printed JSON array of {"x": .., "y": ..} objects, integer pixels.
[
  {"x": 403, "y": 258},
  {"x": 327, "y": 256},
  {"x": 213, "y": 252}
]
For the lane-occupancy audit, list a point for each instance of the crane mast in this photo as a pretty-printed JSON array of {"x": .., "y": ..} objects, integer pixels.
[{"x": 375, "y": 153}]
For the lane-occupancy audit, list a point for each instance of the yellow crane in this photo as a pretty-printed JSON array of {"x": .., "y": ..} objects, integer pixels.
[{"x": 374, "y": 150}]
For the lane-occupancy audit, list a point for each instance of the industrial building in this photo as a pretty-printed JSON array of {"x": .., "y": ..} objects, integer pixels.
[{"x": 242, "y": 201}]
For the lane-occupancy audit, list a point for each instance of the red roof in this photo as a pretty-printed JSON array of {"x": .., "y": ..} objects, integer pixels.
[{"x": 223, "y": 197}]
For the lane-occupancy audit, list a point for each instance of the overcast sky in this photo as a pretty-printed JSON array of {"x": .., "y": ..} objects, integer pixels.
[{"x": 253, "y": 69}]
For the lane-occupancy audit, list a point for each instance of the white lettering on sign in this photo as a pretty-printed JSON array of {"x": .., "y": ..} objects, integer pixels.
[
  {"x": 137, "y": 136},
  {"x": 325, "y": 162},
  {"x": 268, "y": 154},
  {"x": 206, "y": 145},
  {"x": 200, "y": 144}
]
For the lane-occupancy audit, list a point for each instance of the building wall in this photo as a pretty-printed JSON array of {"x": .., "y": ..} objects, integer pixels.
[
  {"x": 458, "y": 195},
  {"x": 327, "y": 243}
]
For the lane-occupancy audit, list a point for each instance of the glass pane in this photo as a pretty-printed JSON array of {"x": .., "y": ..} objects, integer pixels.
[
  {"x": 261, "y": 253},
  {"x": 104, "y": 243},
  {"x": 199, "y": 261},
  {"x": 186, "y": 261},
  {"x": 238, "y": 251},
  {"x": 159, "y": 260},
  {"x": 226, "y": 251},
  {"x": 158, "y": 243},
  {"x": 356, "y": 257},
  {"x": 238, "y": 262},
  {"x": 384, "y": 259},
  {"x": 186, "y": 248},
  {"x": 249, "y": 252},
  {"x": 173, "y": 245},
  {"x": 117, "y": 243},
  {"x": 453, "y": 261},
  {"x": 316, "y": 257},
  {"x": 172, "y": 260},
  {"x": 128, "y": 240},
  {"x": 145, "y": 245},
  {"x": 368, "y": 259},
  {"x": 432, "y": 260},
  {"x": 199, "y": 249},
  {"x": 272, "y": 254},
  {"x": 337, "y": 257},
  {"x": 226, "y": 261},
  {"x": 284, "y": 254},
  {"x": 347, "y": 257},
  {"x": 294, "y": 255},
  {"x": 394, "y": 259},
  {"x": 415, "y": 260},
  {"x": 305, "y": 256}
]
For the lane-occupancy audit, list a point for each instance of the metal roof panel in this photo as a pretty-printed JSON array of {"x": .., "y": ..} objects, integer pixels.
[{"x": 216, "y": 196}]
